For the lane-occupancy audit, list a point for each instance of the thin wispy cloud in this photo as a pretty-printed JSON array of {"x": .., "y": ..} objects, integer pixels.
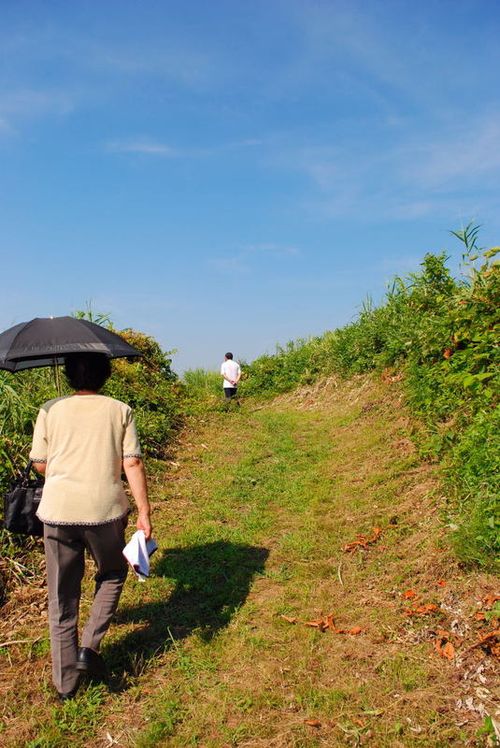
[
  {"x": 341, "y": 49},
  {"x": 467, "y": 155},
  {"x": 33, "y": 102},
  {"x": 143, "y": 146},
  {"x": 148, "y": 52},
  {"x": 5, "y": 127},
  {"x": 22, "y": 107},
  {"x": 271, "y": 249},
  {"x": 394, "y": 58},
  {"x": 420, "y": 174},
  {"x": 245, "y": 259},
  {"x": 151, "y": 147},
  {"x": 229, "y": 265},
  {"x": 164, "y": 59}
]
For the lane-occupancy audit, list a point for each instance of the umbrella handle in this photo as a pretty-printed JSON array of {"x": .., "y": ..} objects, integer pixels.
[{"x": 57, "y": 378}]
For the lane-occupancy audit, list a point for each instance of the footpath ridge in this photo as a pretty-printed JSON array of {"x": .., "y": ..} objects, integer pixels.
[{"x": 303, "y": 594}]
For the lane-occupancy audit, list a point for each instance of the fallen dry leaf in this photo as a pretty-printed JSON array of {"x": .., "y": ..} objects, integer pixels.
[
  {"x": 480, "y": 615},
  {"x": 490, "y": 636},
  {"x": 490, "y": 642},
  {"x": 324, "y": 623},
  {"x": 490, "y": 600},
  {"x": 363, "y": 541},
  {"x": 409, "y": 594},
  {"x": 312, "y": 722},
  {"x": 320, "y": 623},
  {"x": 443, "y": 645},
  {"x": 422, "y": 610},
  {"x": 441, "y": 583},
  {"x": 355, "y": 630}
]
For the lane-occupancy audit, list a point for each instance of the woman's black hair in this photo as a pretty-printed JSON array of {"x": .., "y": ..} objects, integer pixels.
[{"x": 87, "y": 371}]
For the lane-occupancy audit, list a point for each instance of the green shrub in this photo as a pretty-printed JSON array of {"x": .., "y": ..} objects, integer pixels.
[
  {"x": 21, "y": 394},
  {"x": 152, "y": 390},
  {"x": 299, "y": 362}
]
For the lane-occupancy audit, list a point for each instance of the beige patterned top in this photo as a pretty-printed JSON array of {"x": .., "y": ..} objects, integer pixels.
[{"x": 83, "y": 439}]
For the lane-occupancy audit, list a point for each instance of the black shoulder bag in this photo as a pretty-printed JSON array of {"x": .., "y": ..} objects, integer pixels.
[{"x": 21, "y": 504}]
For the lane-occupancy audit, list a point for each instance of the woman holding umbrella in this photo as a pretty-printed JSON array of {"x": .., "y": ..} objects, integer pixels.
[{"x": 81, "y": 443}]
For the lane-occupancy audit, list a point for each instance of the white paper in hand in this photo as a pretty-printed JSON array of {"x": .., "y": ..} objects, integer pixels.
[{"x": 137, "y": 552}]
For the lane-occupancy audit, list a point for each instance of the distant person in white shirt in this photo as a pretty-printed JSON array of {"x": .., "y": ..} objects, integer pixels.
[{"x": 231, "y": 373}]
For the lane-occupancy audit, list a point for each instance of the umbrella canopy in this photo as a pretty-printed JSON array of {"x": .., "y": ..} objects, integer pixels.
[{"x": 45, "y": 341}]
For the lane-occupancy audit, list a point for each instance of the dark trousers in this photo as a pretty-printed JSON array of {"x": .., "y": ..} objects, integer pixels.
[{"x": 65, "y": 547}]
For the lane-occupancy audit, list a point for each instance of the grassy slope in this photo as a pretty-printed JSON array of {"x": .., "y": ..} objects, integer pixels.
[{"x": 251, "y": 521}]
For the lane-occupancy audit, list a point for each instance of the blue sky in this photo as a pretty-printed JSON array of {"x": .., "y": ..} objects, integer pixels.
[{"x": 235, "y": 174}]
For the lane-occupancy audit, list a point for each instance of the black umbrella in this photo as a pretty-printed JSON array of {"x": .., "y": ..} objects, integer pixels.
[{"x": 45, "y": 341}]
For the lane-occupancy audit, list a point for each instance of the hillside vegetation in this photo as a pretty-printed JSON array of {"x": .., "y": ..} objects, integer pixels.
[
  {"x": 440, "y": 335},
  {"x": 305, "y": 592}
]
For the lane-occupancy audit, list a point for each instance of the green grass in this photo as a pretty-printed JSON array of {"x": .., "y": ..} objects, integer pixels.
[
  {"x": 251, "y": 526},
  {"x": 74, "y": 720}
]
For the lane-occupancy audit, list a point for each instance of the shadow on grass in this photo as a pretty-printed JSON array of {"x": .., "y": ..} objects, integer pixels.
[{"x": 211, "y": 582}]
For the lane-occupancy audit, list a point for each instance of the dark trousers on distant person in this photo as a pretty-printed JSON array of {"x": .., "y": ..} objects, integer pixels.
[
  {"x": 231, "y": 395},
  {"x": 65, "y": 547}
]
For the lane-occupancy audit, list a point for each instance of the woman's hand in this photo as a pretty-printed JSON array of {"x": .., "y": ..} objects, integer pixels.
[{"x": 144, "y": 524}]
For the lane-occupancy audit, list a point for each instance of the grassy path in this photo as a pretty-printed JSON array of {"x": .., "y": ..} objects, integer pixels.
[{"x": 251, "y": 523}]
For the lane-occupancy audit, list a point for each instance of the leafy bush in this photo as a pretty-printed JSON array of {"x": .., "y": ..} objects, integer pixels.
[
  {"x": 152, "y": 390},
  {"x": 299, "y": 362},
  {"x": 21, "y": 395}
]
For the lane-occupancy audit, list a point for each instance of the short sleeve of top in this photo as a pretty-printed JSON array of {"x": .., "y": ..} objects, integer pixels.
[
  {"x": 131, "y": 446},
  {"x": 39, "y": 446}
]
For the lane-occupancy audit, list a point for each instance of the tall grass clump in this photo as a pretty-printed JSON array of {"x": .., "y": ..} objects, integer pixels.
[
  {"x": 21, "y": 395},
  {"x": 202, "y": 390},
  {"x": 202, "y": 384},
  {"x": 442, "y": 334}
]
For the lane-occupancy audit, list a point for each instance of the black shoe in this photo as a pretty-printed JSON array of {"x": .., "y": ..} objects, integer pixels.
[
  {"x": 68, "y": 695},
  {"x": 90, "y": 662}
]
